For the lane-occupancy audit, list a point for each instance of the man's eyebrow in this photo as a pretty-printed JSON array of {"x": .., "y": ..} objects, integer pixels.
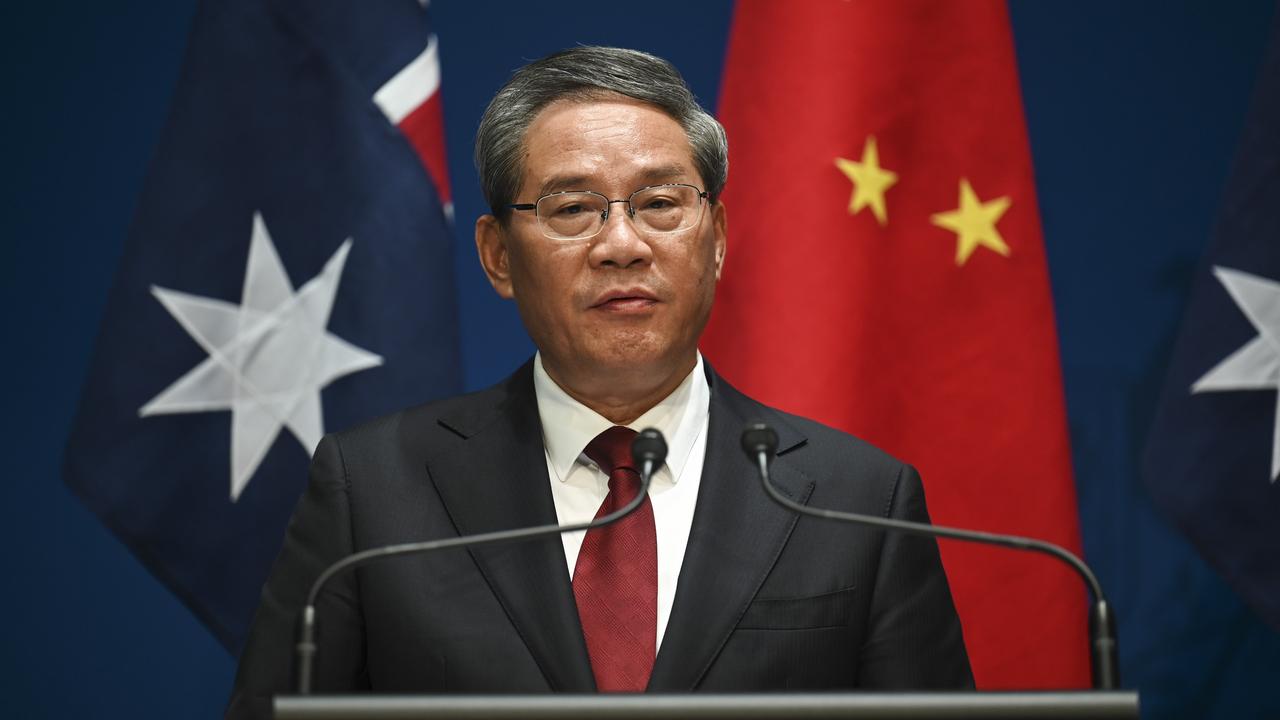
[
  {"x": 665, "y": 173},
  {"x": 563, "y": 182},
  {"x": 649, "y": 176}
]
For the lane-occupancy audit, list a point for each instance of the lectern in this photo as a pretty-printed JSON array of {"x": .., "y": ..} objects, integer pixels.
[{"x": 1066, "y": 705}]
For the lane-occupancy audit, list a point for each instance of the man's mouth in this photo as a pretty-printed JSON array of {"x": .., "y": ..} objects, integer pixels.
[{"x": 625, "y": 301}]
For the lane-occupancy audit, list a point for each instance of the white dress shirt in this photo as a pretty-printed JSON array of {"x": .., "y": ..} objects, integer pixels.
[{"x": 578, "y": 486}]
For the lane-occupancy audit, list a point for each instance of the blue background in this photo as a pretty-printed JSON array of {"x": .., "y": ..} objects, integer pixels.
[{"x": 1134, "y": 114}]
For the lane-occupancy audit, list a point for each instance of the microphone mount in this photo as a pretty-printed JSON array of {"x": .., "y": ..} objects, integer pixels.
[
  {"x": 648, "y": 451},
  {"x": 760, "y": 442}
]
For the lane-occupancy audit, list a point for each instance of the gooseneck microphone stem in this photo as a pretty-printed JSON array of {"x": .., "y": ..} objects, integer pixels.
[
  {"x": 649, "y": 450},
  {"x": 761, "y": 442},
  {"x": 911, "y": 528}
]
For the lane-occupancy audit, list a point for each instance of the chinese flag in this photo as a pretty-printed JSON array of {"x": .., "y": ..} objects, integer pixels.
[{"x": 886, "y": 275}]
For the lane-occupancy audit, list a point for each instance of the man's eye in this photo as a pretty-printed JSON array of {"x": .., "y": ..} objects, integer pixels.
[
  {"x": 659, "y": 203},
  {"x": 570, "y": 210}
]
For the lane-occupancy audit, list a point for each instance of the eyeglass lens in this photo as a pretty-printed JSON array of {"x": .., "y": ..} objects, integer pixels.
[{"x": 659, "y": 209}]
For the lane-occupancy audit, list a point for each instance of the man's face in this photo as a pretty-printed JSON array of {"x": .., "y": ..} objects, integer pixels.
[{"x": 621, "y": 310}]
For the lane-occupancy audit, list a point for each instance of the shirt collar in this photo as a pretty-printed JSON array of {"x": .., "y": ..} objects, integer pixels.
[{"x": 568, "y": 425}]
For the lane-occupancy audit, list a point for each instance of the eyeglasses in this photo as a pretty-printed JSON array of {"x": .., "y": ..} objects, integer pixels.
[{"x": 581, "y": 214}]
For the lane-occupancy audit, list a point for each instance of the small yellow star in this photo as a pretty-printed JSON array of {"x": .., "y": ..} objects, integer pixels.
[
  {"x": 974, "y": 223},
  {"x": 870, "y": 181}
]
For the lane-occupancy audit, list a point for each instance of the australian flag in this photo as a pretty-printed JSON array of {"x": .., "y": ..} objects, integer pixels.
[
  {"x": 1213, "y": 458},
  {"x": 288, "y": 273}
]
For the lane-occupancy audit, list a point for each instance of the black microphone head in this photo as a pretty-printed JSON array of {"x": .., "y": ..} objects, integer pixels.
[
  {"x": 758, "y": 437},
  {"x": 649, "y": 445}
]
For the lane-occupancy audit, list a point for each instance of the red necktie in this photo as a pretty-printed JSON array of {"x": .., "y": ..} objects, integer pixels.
[{"x": 615, "y": 581}]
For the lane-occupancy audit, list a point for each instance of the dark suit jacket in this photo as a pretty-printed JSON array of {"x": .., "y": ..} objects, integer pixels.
[{"x": 765, "y": 600}]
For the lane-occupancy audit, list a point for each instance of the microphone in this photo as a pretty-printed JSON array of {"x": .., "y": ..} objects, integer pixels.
[
  {"x": 648, "y": 451},
  {"x": 760, "y": 442}
]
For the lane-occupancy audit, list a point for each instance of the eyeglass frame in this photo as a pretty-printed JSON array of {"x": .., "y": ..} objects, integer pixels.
[{"x": 703, "y": 195}]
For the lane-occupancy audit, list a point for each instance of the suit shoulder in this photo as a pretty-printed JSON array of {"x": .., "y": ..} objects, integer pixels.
[
  {"x": 848, "y": 472},
  {"x": 456, "y": 416},
  {"x": 836, "y": 446},
  {"x": 805, "y": 439}
]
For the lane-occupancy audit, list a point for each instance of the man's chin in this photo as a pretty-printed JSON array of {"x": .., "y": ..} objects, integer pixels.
[
  {"x": 639, "y": 364},
  {"x": 623, "y": 364},
  {"x": 620, "y": 357}
]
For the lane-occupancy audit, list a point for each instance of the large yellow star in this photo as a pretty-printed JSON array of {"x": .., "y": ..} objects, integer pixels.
[
  {"x": 870, "y": 181},
  {"x": 974, "y": 223}
]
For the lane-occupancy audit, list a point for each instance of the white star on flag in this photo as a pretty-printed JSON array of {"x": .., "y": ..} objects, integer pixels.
[
  {"x": 1256, "y": 365},
  {"x": 269, "y": 357}
]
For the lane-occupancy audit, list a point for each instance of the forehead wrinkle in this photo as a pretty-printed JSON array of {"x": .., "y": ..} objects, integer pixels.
[
  {"x": 570, "y": 160},
  {"x": 656, "y": 175},
  {"x": 608, "y": 128}
]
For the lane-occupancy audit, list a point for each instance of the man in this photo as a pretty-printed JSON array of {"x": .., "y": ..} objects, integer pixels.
[{"x": 603, "y": 175}]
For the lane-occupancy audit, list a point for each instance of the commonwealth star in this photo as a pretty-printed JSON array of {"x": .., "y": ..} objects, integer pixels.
[
  {"x": 1256, "y": 364},
  {"x": 269, "y": 357}
]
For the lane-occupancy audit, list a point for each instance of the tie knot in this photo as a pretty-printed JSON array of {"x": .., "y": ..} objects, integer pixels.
[{"x": 611, "y": 449}]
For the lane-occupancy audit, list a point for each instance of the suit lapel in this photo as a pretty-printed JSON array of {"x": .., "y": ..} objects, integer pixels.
[
  {"x": 737, "y": 535},
  {"x": 497, "y": 479}
]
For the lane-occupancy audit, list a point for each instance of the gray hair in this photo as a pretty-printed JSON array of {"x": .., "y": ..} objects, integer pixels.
[{"x": 582, "y": 74}]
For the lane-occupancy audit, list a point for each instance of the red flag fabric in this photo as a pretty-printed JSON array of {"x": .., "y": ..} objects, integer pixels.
[{"x": 886, "y": 275}]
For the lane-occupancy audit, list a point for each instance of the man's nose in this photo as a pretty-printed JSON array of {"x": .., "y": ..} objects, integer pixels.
[{"x": 619, "y": 244}]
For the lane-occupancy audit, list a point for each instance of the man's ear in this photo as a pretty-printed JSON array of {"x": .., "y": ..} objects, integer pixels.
[
  {"x": 720, "y": 225},
  {"x": 491, "y": 246}
]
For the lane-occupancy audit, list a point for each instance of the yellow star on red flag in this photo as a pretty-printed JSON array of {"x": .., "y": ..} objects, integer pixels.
[
  {"x": 974, "y": 223},
  {"x": 870, "y": 181}
]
